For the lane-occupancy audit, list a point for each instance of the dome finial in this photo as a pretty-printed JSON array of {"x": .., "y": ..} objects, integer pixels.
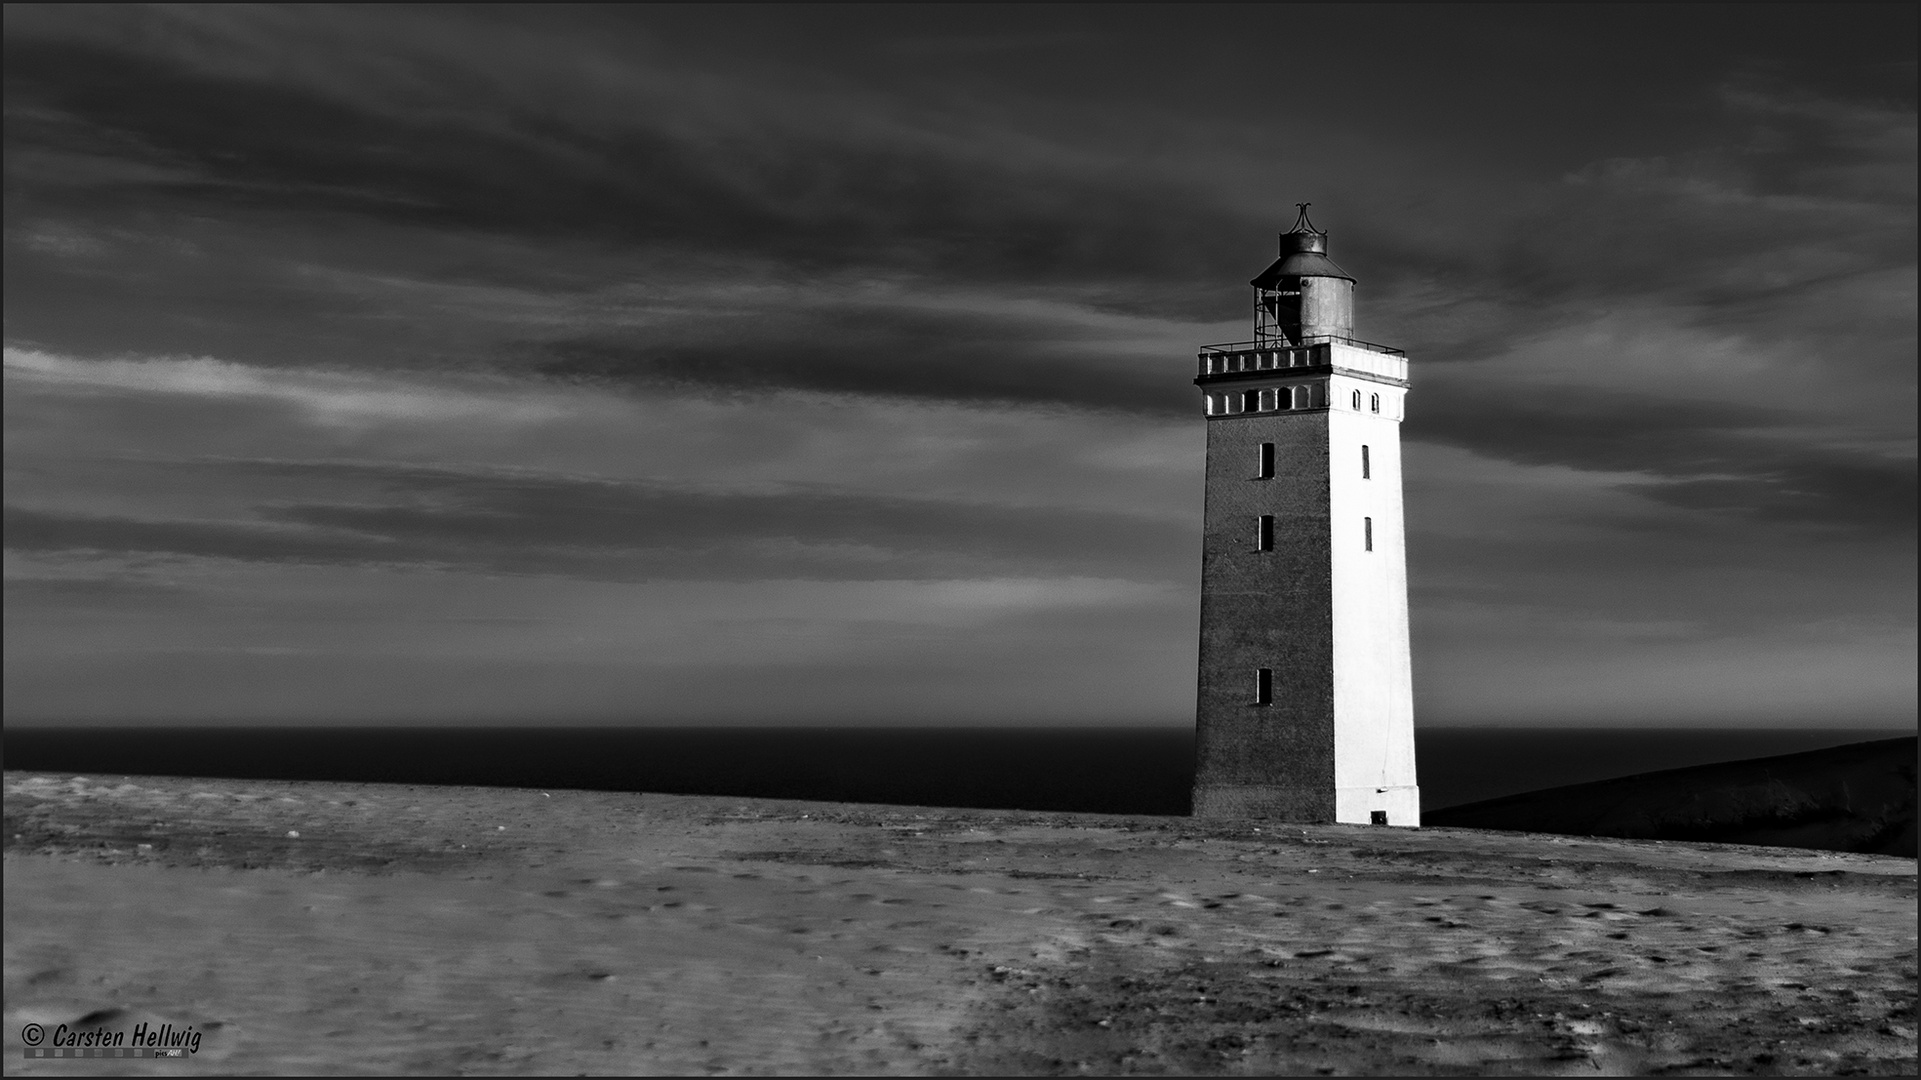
[{"x": 1304, "y": 237}]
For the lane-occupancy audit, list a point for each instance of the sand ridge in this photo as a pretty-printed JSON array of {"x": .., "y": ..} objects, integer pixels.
[{"x": 419, "y": 929}]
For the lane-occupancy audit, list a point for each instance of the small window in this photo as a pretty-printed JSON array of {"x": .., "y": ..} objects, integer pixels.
[
  {"x": 1367, "y": 532},
  {"x": 1263, "y": 686},
  {"x": 1264, "y": 462},
  {"x": 1253, "y": 400},
  {"x": 1377, "y": 817},
  {"x": 1264, "y": 533},
  {"x": 1357, "y": 401},
  {"x": 1267, "y": 400},
  {"x": 1377, "y": 403},
  {"x": 1367, "y": 469},
  {"x": 1302, "y": 399}
]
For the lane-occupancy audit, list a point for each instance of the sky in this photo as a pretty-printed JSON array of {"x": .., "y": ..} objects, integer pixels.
[{"x": 833, "y": 365}]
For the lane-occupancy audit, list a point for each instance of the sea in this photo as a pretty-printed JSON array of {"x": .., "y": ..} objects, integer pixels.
[{"x": 1093, "y": 770}]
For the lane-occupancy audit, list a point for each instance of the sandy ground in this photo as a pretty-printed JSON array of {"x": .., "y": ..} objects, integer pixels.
[{"x": 412, "y": 929}]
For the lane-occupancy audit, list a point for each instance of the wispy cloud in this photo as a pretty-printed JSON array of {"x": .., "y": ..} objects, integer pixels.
[{"x": 321, "y": 396}]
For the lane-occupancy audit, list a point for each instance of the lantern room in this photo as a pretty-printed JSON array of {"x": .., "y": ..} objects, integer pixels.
[{"x": 1305, "y": 297}]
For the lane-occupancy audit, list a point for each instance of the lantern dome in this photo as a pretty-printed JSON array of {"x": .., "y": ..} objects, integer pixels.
[{"x": 1303, "y": 254}]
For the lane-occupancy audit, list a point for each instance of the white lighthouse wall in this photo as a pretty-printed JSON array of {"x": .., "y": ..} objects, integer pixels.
[{"x": 1373, "y": 679}]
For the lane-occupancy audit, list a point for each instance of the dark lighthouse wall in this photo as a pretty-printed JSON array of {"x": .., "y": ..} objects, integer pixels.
[{"x": 1267, "y": 609}]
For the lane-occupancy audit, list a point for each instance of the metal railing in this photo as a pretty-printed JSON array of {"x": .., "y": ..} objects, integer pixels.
[{"x": 1250, "y": 346}]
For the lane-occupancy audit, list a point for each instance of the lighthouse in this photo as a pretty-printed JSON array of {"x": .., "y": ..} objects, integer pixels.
[{"x": 1305, "y": 709}]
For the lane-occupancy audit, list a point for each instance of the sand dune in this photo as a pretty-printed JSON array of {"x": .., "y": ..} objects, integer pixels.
[
  {"x": 1845, "y": 798},
  {"x": 436, "y": 930}
]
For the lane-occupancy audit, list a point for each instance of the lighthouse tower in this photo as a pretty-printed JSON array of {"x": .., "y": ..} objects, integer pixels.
[{"x": 1306, "y": 705}]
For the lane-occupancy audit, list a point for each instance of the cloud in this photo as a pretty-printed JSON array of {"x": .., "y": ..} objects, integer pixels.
[
  {"x": 123, "y": 436},
  {"x": 34, "y": 531},
  {"x": 1016, "y": 357},
  {"x": 518, "y": 523},
  {"x": 321, "y": 396},
  {"x": 560, "y": 166},
  {"x": 1845, "y": 496},
  {"x": 632, "y": 151},
  {"x": 1699, "y": 455},
  {"x": 1780, "y": 221}
]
